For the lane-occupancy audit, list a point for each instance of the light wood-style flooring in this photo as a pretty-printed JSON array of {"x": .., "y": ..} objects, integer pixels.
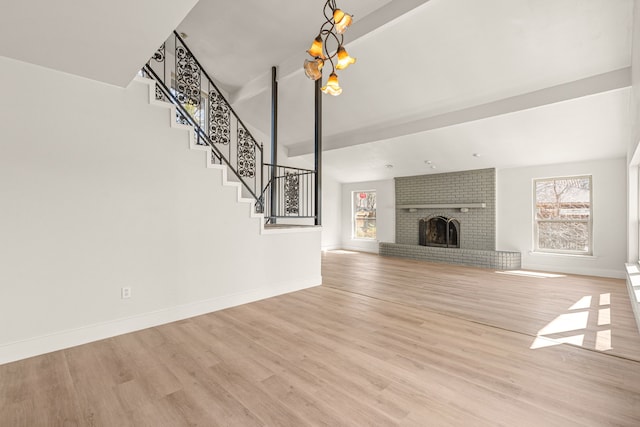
[
  {"x": 384, "y": 342},
  {"x": 560, "y": 306}
]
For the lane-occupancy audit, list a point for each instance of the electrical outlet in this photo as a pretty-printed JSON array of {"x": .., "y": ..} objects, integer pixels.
[{"x": 125, "y": 292}]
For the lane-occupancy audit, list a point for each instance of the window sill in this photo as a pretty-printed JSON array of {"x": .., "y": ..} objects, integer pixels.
[{"x": 558, "y": 254}]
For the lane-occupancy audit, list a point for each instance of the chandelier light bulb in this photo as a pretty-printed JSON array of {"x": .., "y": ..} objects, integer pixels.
[
  {"x": 344, "y": 60},
  {"x": 313, "y": 68},
  {"x": 316, "y": 48},
  {"x": 333, "y": 86},
  {"x": 342, "y": 20}
]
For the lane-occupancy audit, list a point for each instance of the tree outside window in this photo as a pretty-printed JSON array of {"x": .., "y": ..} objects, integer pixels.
[
  {"x": 364, "y": 214},
  {"x": 563, "y": 215}
]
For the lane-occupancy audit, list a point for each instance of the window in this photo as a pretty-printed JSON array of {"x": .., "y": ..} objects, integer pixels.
[
  {"x": 364, "y": 214},
  {"x": 563, "y": 215}
]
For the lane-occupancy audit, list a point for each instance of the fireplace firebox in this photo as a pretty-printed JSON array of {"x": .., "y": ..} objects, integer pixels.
[{"x": 439, "y": 231}]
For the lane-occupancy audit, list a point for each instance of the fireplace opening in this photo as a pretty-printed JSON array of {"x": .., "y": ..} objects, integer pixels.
[{"x": 439, "y": 231}]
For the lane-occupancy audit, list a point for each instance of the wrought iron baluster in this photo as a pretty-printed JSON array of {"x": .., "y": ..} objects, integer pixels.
[
  {"x": 291, "y": 193},
  {"x": 159, "y": 57},
  {"x": 187, "y": 78},
  {"x": 201, "y": 105},
  {"x": 246, "y": 154},
  {"x": 219, "y": 119}
]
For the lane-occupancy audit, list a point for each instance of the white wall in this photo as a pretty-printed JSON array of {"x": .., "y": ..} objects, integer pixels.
[
  {"x": 635, "y": 81},
  {"x": 515, "y": 216},
  {"x": 106, "y": 41},
  {"x": 97, "y": 193},
  {"x": 633, "y": 155},
  {"x": 331, "y": 188},
  {"x": 331, "y": 201},
  {"x": 633, "y": 211},
  {"x": 331, "y": 213},
  {"x": 385, "y": 215}
]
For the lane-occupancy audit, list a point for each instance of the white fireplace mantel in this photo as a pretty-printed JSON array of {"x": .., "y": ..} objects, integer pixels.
[{"x": 413, "y": 208}]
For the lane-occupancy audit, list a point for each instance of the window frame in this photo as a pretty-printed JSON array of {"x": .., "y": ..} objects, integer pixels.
[
  {"x": 353, "y": 216},
  {"x": 536, "y": 221}
]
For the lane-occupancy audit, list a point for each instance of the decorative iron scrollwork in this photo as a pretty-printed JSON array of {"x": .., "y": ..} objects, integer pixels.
[
  {"x": 159, "y": 55},
  {"x": 181, "y": 119},
  {"x": 246, "y": 154},
  {"x": 219, "y": 119},
  {"x": 259, "y": 206},
  {"x": 291, "y": 193},
  {"x": 201, "y": 106},
  {"x": 159, "y": 95},
  {"x": 188, "y": 78}
]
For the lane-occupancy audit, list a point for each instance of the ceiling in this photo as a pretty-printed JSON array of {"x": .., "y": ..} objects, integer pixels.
[
  {"x": 556, "y": 133},
  {"x": 518, "y": 82},
  {"x": 240, "y": 41},
  {"x": 108, "y": 41}
]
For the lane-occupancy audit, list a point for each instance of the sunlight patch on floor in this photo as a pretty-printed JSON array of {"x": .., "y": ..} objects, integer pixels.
[
  {"x": 531, "y": 274},
  {"x": 603, "y": 340},
  {"x": 340, "y": 252},
  {"x": 604, "y": 316},
  {"x": 583, "y": 303},
  {"x": 565, "y": 323},
  {"x": 542, "y": 342},
  {"x": 571, "y": 327}
]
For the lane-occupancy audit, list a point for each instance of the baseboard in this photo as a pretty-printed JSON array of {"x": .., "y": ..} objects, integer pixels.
[
  {"x": 363, "y": 248},
  {"x": 599, "y": 272},
  {"x": 18, "y": 350},
  {"x": 331, "y": 247}
]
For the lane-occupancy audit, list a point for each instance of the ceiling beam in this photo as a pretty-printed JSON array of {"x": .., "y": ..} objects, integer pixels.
[
  {"x": 588, "y": 86},
  {"x": 361, "y": 27}
]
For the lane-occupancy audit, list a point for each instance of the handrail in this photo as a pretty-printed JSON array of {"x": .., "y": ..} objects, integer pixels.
[
  {"x": 290, "y": 167},
  {"x": 181, "y": 80},
  {"x": 212, "y": 83},
  {"x": 294, "y": 190},
  {"x": 199, "y": 131}
]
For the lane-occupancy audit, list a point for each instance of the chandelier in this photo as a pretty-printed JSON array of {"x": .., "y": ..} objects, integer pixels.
[{"x": 331, "y": 32}]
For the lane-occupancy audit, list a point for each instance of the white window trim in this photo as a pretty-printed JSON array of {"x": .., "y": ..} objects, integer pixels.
[
  {"x": 353, "y": 217},
  {"x": 536, "y": 249}
]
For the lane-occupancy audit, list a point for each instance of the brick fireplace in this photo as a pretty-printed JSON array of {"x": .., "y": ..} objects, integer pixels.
[{"x": 449, "y": 217}]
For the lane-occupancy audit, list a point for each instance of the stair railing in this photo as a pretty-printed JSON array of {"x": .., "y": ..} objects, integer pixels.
[
  {"x": 181, "y": 80},
  {"x": 294, "y": 192}
]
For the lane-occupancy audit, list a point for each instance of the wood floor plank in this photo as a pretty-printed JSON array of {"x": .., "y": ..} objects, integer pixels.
[
  {"x": 301, "y": 402},
  {"x": 264, "y": 406},
  {"x": 524, "y": 304},
  {"x": 384, "y": 342}
]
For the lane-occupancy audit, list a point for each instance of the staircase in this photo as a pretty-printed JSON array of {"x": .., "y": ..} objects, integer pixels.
[
  {"x": 100, "y": 193},
  {"x": 278, "y": 192}
]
